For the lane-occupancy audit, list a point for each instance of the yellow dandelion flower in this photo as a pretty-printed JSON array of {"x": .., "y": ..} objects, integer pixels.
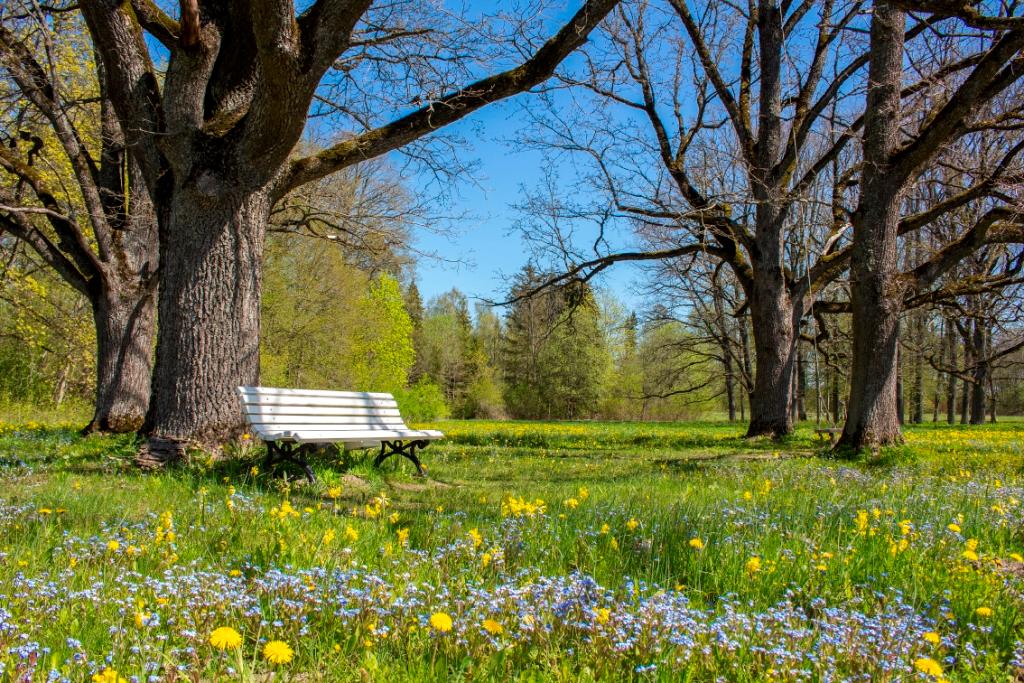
[
  {"x": 278, "y": 652},
  {"x": 983, "y": 612},
  {"x": 226, "y": 638},
  {"x": 140, "y": 619},
  {"x": 970, "y": 555},
  {"x": 696, "y": 543},
  {"x": 932, "y": 637},
  {"x": 1017, "y": 557},
  {"x": 493, "y": 627},
  {"x": 112, "y": 546},
  {"x": 603, "y": 615},
  {"x": 441, "y": 622},
  {"x": 928, "y": 666},
  {"x": 632, "y": 524},
  {"x": 753, "y": 565},
  {"x": 605, "y": 529},
  {"x": 954, "y": 527},
  {"x": 108, "y": 676}
]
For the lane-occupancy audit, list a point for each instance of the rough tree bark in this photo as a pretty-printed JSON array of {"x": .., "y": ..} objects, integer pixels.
[
  {"x": 771, "y": 317},
  {"x": 209, "y": 304},
  {"x": 125, "y": 326},
  {"x": 876, "y": 290}
]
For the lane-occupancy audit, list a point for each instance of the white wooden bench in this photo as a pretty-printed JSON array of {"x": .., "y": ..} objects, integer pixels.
[{"x": 294, "y": 422}]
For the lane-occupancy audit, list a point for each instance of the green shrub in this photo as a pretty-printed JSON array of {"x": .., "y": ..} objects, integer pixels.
[{"x": 422, "y": 401}]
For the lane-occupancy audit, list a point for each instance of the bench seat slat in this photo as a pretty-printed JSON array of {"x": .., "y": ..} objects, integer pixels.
[
  {"x": 328, "y": 419},
  {"x": 281, "y": 401},
  {"x": 272, "y": 391},
  {"x": 284, "y": 425},
  {"x": 254, "y": 412}
]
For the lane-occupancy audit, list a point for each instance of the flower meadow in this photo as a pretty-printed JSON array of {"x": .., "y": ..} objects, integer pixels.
[{"x": 534, "y": 551}]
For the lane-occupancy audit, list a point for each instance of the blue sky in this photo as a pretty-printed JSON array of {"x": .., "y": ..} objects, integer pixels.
[{"x": 486, "y": 240}]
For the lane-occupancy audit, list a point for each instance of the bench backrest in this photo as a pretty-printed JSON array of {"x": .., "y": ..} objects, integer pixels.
[{"x": 271, "y": 410}]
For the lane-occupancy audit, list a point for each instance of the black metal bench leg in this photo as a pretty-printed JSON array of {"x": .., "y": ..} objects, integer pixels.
[
  {"x": 408, "y": 450},
  {"x": 411, "y": 455},
  {"x": 298, "y": 457},
  {"x": 276, "y": 453},
  {"x": 273, "y": 455},
  {"x": 383, "y": 455}
]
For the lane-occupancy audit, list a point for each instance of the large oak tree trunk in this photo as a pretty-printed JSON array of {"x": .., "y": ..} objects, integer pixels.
[
  {"x": 208, "y": 337},
  {"x": 872, "y": 411},
  {"x": 877, "y": 293},
  {"x": 771, "y": 315},
  {"x": 124, "y": 359},
  {"x": 124, "y": 303}
]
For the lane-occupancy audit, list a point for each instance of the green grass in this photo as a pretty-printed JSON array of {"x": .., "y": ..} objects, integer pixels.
[{"x": 807, "y": 567}]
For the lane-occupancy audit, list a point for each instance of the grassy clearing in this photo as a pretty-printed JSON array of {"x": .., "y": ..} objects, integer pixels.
[{"x": 580, "y": 551}]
